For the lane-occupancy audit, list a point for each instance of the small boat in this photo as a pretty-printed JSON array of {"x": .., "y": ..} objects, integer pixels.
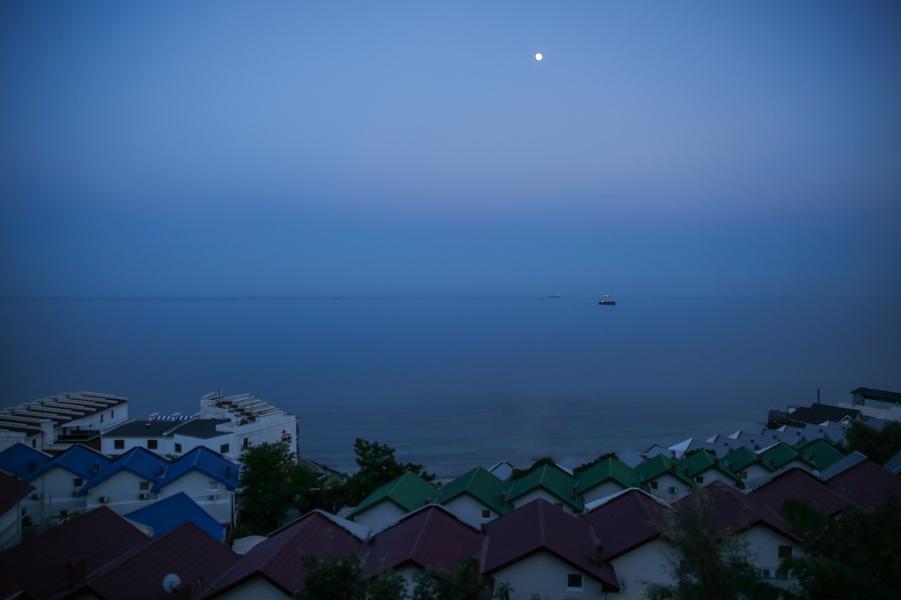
[{"x": 607, "y": 301}]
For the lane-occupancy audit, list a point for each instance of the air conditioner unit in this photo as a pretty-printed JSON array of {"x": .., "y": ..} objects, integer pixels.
[
  {"x": 144, "y": 495},
  {"x": 103, "y": 499},
  {"x": 35, "y": 496}
]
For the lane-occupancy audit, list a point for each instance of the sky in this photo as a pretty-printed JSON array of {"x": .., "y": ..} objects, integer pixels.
[{"x": 417, "y": 148}]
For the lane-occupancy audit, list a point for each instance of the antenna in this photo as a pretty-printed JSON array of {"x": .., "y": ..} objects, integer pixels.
[{"x": 171, "y": 583}]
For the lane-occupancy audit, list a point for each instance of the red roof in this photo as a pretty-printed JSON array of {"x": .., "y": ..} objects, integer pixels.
[
  {"x": 798, "y": 484},
  {"x": 187, "y": 551},
  {"x": 11, "y": 492},
  {"x": 59, "y": 560},
  {"x": 540, "y": 526},
  {"x": 867, "y": 484},
  {"x": 626, "y": 522},
  {"x": 430, "y": 538},
  {"x": 733, "y": 511},
  {"x": 280, "y": 558}
]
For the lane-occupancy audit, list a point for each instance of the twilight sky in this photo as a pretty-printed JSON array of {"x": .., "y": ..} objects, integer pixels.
[{"x": 282, "y": 148}]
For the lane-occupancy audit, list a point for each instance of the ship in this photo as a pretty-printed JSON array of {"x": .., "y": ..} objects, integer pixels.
[{"x": 607, "y": 301}]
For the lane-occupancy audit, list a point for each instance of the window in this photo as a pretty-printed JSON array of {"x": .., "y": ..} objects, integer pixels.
[
  {"x": 699, "y": 479},
  {"x": 574, "y": 582},
  {"x": 151, "y": 444},
  {"x": 178, "y": 448},
  {"x": 486, "y": 514},
  {"x": 654, "y": 485},
  {"x": 112, "y": 414},
  {"x": 673, "y": 490},
  {"x": 223, "y": 449},
  {"x": 743, "y": 474},
  {"x": 119, "y": 444},
  {"x": 78, "y": 482},
  {"x": 144, "y": 486},
  {"x": 34, "y": 443},
  {"x": 101, "y": 417},
  {"x": 785, "y": 552},
  {"x": 245, "y": 443},
  {"x": 214, "y": 486}
]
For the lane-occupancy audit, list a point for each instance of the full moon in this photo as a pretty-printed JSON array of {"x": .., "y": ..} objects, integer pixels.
[{"x": 539, "y": 56}]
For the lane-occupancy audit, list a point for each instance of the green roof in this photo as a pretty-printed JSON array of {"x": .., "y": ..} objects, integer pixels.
[
  {"x": 610, "y": 468},
  {"x": 408, "y": 492},
  {"x": 653, "y": 468},
  {"x": 778, "y": 455},
  {"x": 742, "y": 458},
  {"x": 478, "y": 483},
  {"x": 551, "y": 479},
  {"x": 819, "y": 453},
  {"x": 697, "y": 462}
]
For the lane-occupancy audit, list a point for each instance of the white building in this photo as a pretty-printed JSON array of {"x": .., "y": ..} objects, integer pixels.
[
  {"x": 225, "y": 424},
  {"x": 57, "y": 422}
]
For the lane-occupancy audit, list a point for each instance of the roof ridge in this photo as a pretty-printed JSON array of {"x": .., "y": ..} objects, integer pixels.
[{"x": 415, "y": 545}]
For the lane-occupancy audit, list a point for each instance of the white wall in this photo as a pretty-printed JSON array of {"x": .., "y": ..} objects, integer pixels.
[
  {"x": 755, "y": 471},
  {"x": 468, "y": 509},
  {"x": 543, "y": 494},
  {"x": 641, "y": 566},
  {"x": 601, "y": 491},
  {"x": 101, "y": 420},
  {"x": 667, "y": 481},
  {"x": 546, "y": 575},
  {"x": 711, "y": 475},
  {"x": 763, "y": 547},
  {"x": 122, "y": 489},
  {"x": 55, "y": 488},
  {"x": 164, "y": 445},
  {"x": 380, "y": 516},
  {"x": 215, "y": 443},
  {"x": 255, "y": 588},
  {"x": 196, "y": 485}
]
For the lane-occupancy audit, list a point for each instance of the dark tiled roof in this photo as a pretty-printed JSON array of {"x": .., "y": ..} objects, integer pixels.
[
  {"x": 626, "y": 522},
  {"x": 541, "y": 526},
  {"x": 201, "y": 428},
  {"x": 867, "y": 484},
  {"x": 142, "y": 428},
  {"x": 56, "y": 561},
  {"x": 170, "y": 513},
  {"x": 430, "y": 538},
  {"x": 279, "y": 559},
  {"x": 11, "y": 492},
  {"x": 188, "y": 552},
  {"x": 818, "y": 413},
  {"x": 732, "y": 511},
  {"x": 798, "y": 484},
  {"x": 884, "y": 395}
]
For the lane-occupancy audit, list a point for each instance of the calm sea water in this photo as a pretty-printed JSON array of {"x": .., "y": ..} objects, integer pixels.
[{"x": 454, "y": 383}]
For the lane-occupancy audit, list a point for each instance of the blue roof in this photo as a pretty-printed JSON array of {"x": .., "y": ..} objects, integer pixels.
[
  {"x": 22, "y": 461},
  {"x": 170, "y": 513},
  {"x": 143, "y": 463},
  {"x": 206, "y": 461},
  {"x": 78, "y": 460}
]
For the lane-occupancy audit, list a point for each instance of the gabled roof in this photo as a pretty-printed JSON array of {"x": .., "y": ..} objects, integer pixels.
[
  {"x": 606, "y": 469},
  {"x": 408, "y": 492},
  {"x": 777, "y": 456},
  {"x": 143, "y": 463},
  {"x": 22, "y": 461},
  {"x": 430, "y": 538},
  {"x": 701, "y": 461},
  {"x": 550, "y": 478},
  {"x": 820, "y": 413},
  {"x": 79, "y": 460},
  {"x": 478, "y": 483},
  {"x": 742, "y": 458},
  {"x": 732, "y": 511},
  {"x": 659, "y": 465},
  {"x": 170, "y": 513},
  {"x": 627, "y": 521},
  {"x": 819, "y": 453},
  {"x": 206, "y": 461},
  {"x": 186, "y": 551},
  {"x": 843, "y": 464},
  {"x": 12, "y": 491},
  {"x": 48, "y": 564},
  {"x": 540, "y": 526},
  {"x": 867, "y": 484},
  {"x": 893, "y": 465},
  {"x": 798, "y": 484},
  {"x": 280, "y": 558}
]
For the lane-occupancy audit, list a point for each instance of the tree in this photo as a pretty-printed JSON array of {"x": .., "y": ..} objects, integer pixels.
[
  {"x": 878, "y": 445},
  {"x": 340, "y": 579},
  {"x": 706, "y": 563},
  {"x": 378, "y": 465},
  {"x": 856, "y": 554},
  {"x": 463, "y": 583},
  {"x": 271, "y": 481}
]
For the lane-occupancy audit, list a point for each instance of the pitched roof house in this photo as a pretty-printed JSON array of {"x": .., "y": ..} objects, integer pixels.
[
  {"x": 867, "y": 484},
  {"x": 477, "y": 497},
  {"x": 22, "y": 461},
  {"x": 170, "y": 513},
  {"x": 604, "y": 477},
  {"x": 703, "y": 467},
  {"x": 393, "y": 500},
  {"x": 818, "y": 453},
  {"x": 541, "y": 549},
  {"x": 662, "y": 477},
  {"x": 549, "y": 482}
]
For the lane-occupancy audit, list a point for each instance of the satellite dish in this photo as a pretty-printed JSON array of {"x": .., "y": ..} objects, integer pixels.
[{"x": 171, "y": 582}]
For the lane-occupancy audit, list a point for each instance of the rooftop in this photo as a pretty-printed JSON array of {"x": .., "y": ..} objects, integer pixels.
[
  {"x": 170, "y": 513},
  {"x": 798, "y": 484},
  {"x": 625, "y": 522},
  {"x": 408, "y": 492},
  {"x": 607, "y": 469},
  {"x": 550, "y": 478},
  {"x": 876, "y": 394},
  {"x": 478, "y": 483},
  {"x": 12, "y": 491}
]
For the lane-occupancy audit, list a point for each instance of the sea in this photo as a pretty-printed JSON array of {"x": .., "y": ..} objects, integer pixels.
[{"x": 453, "y": 383}]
